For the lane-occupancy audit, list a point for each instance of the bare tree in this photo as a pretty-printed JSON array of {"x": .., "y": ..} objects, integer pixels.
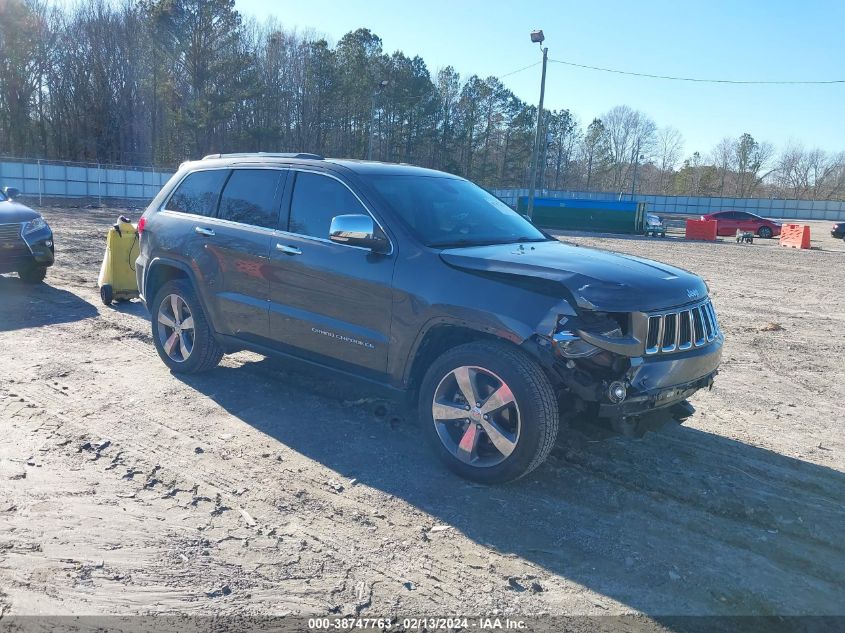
[
  {"x": 669, "y": 144},
  {"x": 751, "y": 158},
  {"x": 595, "y": 151},
  {"x": 723, "y": 158},
  {"x": 630, "y": 133},
  {"x": 808, "y": 174}
]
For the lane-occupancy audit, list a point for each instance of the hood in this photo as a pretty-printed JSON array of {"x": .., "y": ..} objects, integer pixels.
[
  {"x": 598, "y": 280},
  {"x": 11, "y": 211}
]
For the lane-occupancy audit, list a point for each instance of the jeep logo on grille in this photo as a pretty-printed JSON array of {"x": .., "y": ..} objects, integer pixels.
[{"x": 692, "y": 293}]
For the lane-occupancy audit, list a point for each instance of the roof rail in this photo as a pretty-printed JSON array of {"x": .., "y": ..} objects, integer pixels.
[{"x": 266, "y": 154}]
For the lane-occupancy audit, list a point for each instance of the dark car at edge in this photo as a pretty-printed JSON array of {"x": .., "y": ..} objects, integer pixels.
[
  {"x": 424, "y": 284},
  {"x": 26, "y": 241}
]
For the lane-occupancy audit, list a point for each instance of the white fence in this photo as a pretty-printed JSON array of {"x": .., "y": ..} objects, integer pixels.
[
  {"x": 700, "y": 205},
  {"x": 41, "y": 178},
  {"x": 81, "y": 180}
]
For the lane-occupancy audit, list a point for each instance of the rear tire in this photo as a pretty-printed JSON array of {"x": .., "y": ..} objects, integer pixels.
[
  {"x": 33, "y": 274},
  {"x": 181, "y": 332},
  {"x": 765, "y": 232},
  {"x": 513, "y": 439}
]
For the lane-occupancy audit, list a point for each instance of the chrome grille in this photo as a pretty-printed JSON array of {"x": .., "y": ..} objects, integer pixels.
[
  {"x": 11, "y": 233},
  {"x": 682, "y": 329},
  {"x": 12, "y": 246}
]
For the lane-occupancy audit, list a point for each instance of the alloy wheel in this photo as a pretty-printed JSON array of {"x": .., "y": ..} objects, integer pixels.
[
  {"x": 476, "y": 416},
  {"x": 176, "y": 328}
]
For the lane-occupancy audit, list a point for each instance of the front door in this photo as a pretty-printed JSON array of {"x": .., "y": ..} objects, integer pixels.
[
  {"x": 747, "y": 222},
  {"x": 329, "y": 302}
]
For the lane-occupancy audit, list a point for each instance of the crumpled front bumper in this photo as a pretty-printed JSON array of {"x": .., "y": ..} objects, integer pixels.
[{"x": 663, "y": 380}]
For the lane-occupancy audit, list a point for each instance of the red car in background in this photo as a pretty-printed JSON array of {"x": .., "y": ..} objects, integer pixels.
[{"x": 729, "y": 222}]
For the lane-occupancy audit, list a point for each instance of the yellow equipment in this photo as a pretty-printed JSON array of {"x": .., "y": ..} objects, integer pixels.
[{"x": 117, "y": 274}]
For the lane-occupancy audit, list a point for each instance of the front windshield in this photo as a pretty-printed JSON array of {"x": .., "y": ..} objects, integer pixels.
[
  {"x": 443, "y": 211},
  {"x": 2, "y": 196}
]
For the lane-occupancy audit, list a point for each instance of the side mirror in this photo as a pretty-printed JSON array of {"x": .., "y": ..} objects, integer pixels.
[
  {"x": 358, "y": 230},
  {"x": 11, "y": 192}
]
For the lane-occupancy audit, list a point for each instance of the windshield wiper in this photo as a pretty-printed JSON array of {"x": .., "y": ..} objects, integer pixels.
[
  {"x": 529, "y": 239},
  {"x": 468, "y": 242},
  {"x": 461, "y": 242}
]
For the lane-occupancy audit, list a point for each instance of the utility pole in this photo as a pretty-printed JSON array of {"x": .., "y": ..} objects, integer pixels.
[
  {"x": 379, "y": 86},
  {"x": 537, "y": 37}
]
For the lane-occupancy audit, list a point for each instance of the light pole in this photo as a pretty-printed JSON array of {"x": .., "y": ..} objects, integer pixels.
[
  {"x": 537, "y": 37},
  {"x": 379, "y": 86}
]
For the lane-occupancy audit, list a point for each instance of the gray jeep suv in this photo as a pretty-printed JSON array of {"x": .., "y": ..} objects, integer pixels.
[{"x": 422, "y": 283}]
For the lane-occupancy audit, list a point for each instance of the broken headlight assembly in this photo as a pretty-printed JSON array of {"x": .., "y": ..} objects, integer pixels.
[{"x": 590, "y": 334}]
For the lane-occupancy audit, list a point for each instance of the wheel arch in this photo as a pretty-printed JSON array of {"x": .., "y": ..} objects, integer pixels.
[
  {"x": 163, "y": 269},
  {"x": 441, "y": 335},
  {"x": 160, "y": 271}
]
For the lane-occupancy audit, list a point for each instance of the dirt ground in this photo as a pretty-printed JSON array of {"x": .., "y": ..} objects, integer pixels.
[{"x": 258, "y": 490}]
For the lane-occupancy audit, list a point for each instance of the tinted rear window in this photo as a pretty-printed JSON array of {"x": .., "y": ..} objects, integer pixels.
[
  {"x": 198, "y": 193},
  {"x": 316, "y": 200},
  {"x": 252, "y": 196}
]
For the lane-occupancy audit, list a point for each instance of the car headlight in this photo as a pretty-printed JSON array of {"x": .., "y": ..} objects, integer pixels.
[
  {"x": 36, "y": 224},
  {"x": 572, "y": 345}
]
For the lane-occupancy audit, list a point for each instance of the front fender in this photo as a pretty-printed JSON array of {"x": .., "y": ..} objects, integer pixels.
[{"x": 534, "y": 338}]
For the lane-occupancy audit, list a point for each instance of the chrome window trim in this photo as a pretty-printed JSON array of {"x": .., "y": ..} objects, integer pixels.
[
  {"x": 162, "y": 208},
  {"x": 311, "y": 238},
  {"x": 221, "y": 222}
]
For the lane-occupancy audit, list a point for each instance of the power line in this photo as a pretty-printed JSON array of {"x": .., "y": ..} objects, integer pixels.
[
  {"x": 519, "y": 70},
  {"x": 421, "y": 98},
  {"x": 698, "y": 79}
]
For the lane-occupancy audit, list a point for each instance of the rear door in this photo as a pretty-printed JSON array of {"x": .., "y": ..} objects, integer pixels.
[
  {"x": 329, "y": 302},
  {"x": 186, "y": 217},
  {"x": 247, "y": 218},
  {"x": 727, "y": 223}
]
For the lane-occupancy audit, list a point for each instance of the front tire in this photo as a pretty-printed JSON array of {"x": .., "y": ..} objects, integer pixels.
[
  {"x": 510, "y": 427},
  {"x": 33, "y": 274},
  {"x": 765, "y": 232},
  {"x": 181, "y": 332}
]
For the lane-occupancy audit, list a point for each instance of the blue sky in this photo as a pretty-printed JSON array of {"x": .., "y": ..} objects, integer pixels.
[{"x": 742, "y": 39}]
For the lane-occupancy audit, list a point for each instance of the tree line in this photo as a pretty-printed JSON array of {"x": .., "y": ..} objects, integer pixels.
[{"x": 156, "y": 82}]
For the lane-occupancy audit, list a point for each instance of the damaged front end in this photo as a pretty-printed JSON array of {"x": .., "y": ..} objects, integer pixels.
[{"x": 621, "y": 366}]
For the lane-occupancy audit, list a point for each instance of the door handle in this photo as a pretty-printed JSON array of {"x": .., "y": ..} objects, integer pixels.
[
  {"x": 288, "y": 250},
  {"x": 204, "y": 231}
]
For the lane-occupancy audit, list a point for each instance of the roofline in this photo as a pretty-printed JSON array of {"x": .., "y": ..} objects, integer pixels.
[{"x": 266, "y": 155}]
